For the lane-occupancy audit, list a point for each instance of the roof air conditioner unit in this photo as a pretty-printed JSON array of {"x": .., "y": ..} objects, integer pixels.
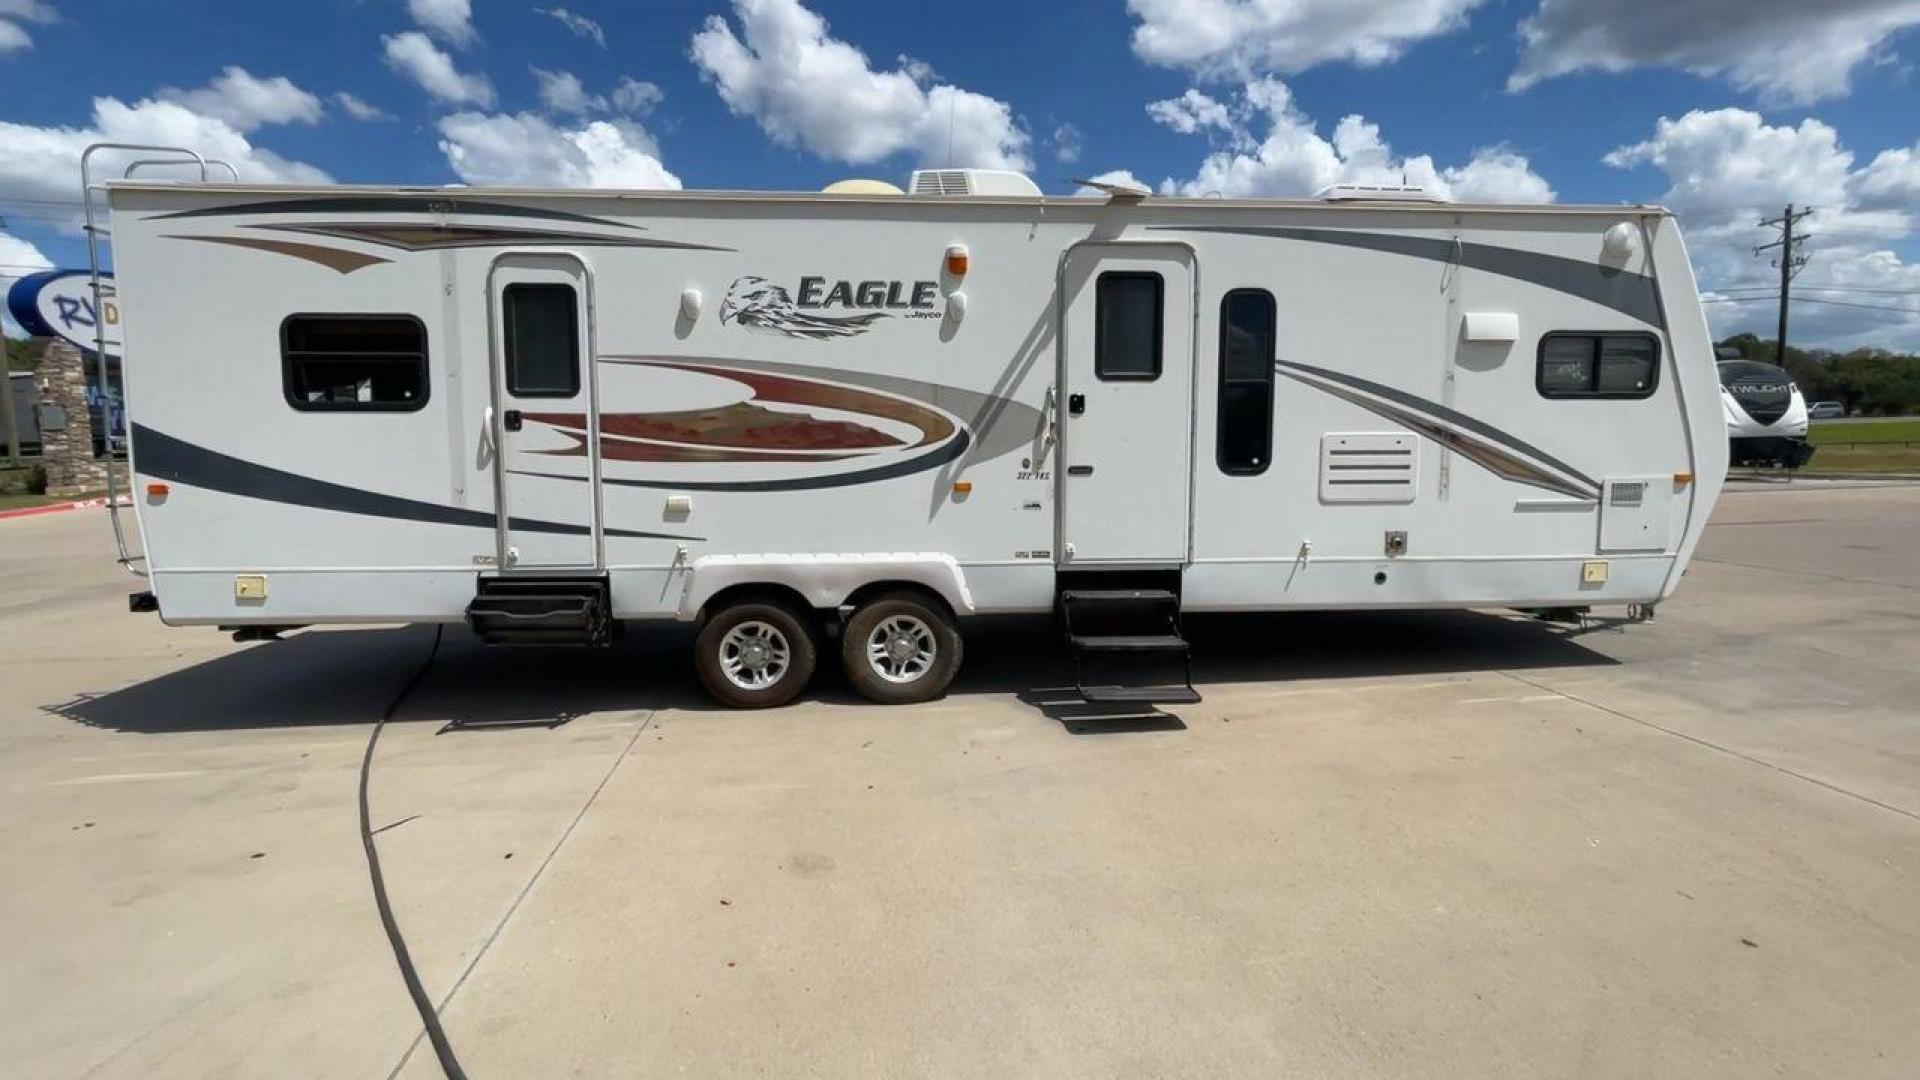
[
  {"x": 971, "y": 182},
  {"x": 1378, "y": 193}
]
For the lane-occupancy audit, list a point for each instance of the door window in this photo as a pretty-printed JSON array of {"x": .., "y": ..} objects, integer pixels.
[
  {"x": 1127, "y": 326},
  {"x": 543, "y": 340}
]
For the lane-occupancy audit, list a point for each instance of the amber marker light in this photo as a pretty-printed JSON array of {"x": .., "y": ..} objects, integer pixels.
[
  {"x": 1682, "y": 479},
  {"x": 157, "y": 491},
  {"x": 957, "y": 260}
]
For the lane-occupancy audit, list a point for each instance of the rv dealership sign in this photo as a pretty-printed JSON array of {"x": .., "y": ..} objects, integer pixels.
[{"x": 60, "y": 303}]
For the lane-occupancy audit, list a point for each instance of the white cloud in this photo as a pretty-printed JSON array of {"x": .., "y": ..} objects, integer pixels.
[
  {"x": 562, "y": 91},
  {"x": 1272, "y": 148},
  {"x": 358, "y": 109},
  {"x": 807, "y": 89},
  {"x": 1890, "y": 182},
  {"x": 1243, "y": 38},
  {"x": 1068, "y": 142},
  {"x": 526, "y": 150},
  {"x": 1729, "y": 169},
  {"x": 579, "y": 24},
  {"x": 13, "y": 36},
  {"x": 1787, "y": 51},
  {"x": 449, "y": 20},
  {"x": 246, "y": 101},
  {"x": 18, "y": 258},
  {"x": 43, "y": 163},
  {"x": 413, "y": 55},
  {"x": 634, "y": 97}
]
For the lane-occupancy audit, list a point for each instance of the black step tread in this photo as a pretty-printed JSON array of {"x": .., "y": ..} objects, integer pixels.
[
  {"x": 1169, "y": 695},
  {"x": 1097, "y": 596},
  {"x": 1129, "y": 642}
]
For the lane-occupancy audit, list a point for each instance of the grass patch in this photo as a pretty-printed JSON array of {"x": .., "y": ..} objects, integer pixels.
[
  {"x": 1866, "y": 459},
  {"x": 1863, "y": 432}
]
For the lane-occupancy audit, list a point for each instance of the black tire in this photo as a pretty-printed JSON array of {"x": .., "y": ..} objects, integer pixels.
[
  {"x": 902, "y": 677},
  {"x": 729, "y": 667}
]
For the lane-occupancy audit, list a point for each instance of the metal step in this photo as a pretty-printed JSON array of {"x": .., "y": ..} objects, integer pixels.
[
  {"x": 1167, "y": 643},
  {"x": 1157, "y": 695},
  {"x": 1117, "y": 596},
  {"x": 542, "y": 611}
]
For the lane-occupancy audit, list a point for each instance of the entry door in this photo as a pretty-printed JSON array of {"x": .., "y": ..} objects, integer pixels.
[
  {"x": 1127, "y": 403},
  {"x": 544, "y": 420}
]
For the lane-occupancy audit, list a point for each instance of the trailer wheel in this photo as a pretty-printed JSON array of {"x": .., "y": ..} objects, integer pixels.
[
  {"x": 754, "y": 655},
  {"x": 899, "y": 648}
]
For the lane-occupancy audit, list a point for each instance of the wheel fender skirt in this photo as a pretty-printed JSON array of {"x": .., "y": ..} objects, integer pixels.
[{"x": 825, "y": 580}]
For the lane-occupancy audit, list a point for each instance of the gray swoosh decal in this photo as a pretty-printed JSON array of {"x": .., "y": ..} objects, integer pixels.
[
  {"x": 1634, "y": 295},
  {"x": 425, "y": 203},
  {"x": 1484, "y": 445},
  {"x": 1000, "y": 423},
  {"x": 166, "y": 458}
]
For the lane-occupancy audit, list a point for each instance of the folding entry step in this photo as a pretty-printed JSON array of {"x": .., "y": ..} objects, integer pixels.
[
  {"x": 1126, "y": 643},
  {"x": 542, "y": 611}
]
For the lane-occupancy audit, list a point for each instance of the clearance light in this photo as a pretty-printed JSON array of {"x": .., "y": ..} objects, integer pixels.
[
  {"x": 1682, "y": 479},
  {"x": 157, "y": 491},
  {"x": 957, "y": 260},
  {"x": 963, "y": 487}
]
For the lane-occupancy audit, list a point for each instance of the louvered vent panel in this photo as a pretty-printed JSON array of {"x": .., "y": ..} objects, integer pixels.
[
  {"x": 1368, "y": 467},
  {"x": 942, "y": 182}
]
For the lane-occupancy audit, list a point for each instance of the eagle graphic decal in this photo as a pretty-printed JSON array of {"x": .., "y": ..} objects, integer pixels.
[{"x": 764, "y": 307}]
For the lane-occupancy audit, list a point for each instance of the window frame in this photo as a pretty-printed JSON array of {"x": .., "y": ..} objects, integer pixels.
[
  {"x": 1594, "y": 393},
  {"x": 1159, "y": 326},
  {"x": 288, "y": 361},
  {"x": 1223, "y": 380},
  {"x": 508, "y": 351}
]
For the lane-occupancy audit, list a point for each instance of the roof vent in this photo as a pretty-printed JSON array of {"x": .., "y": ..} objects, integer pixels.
[
  {"x": 859, "y": 186},
  {"x": 971, "y": 182},
  {"x": 1378, "y": 193}
]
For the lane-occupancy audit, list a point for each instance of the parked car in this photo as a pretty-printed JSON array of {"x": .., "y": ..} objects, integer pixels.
[{"x": 1826, "y": 410}]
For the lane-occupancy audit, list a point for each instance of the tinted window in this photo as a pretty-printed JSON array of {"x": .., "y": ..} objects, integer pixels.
[
  {"x": 1598, "y": 365},
  {"x": 354, "y": 363},
  {"x": 1749, "y": 371},
  {"x": 1245, "y": 437},
  {"x": 1127, "y": 325},
  {"x": 543, "y": 340}
]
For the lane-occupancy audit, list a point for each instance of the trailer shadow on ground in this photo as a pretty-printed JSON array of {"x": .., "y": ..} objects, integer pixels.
[{"x": 334, "y": 677}]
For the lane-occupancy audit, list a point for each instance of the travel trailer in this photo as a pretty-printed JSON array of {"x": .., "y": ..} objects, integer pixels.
[
  {"x": 1766, "y": 416},
  {"x": 848, "y": 421}
]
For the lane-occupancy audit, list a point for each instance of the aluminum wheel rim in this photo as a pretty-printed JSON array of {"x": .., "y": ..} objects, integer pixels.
[
  {"x": 902, "y": 649},
  {"x": 755, "y": 655}
]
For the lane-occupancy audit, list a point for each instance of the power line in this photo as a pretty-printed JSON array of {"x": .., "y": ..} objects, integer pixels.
[{"x": 1789, "y": 265}]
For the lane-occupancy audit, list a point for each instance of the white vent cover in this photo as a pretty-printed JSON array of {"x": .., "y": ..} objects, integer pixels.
[
  {"x": 1368, "y": 467},
  {"x": 1378, "y": 192},
  {"x": 1637, "y": 514},
  {"x": 971, "y": 182}
]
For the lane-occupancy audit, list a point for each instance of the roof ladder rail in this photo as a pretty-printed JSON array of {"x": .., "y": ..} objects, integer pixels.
[{"x": 176, "y": 155}]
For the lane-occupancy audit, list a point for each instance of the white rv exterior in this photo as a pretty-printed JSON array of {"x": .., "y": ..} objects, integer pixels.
[{"x": 820, "y": 398}]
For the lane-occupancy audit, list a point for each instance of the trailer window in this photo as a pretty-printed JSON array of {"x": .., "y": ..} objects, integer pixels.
[
  {"x": 1245, "y": 438},
  {"x": 1598, "y": 365},
  {"x": 354, "y": 363},
  {"x": 543, "y": 340},
  {"x": 1127, "y": 328}
]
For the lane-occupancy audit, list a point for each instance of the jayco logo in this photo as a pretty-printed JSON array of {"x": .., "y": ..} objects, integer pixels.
[{"x": 761, "y": 306}]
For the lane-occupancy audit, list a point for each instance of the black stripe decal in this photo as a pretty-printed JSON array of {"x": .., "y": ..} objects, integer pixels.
[
  {"x": 1418, "y": 409},
  {"x": 932, "y": 459},
  {"x": 1634, "y": 295},
  {"x": 164, "y": 457},
  {"x": 425, "y": 203}
]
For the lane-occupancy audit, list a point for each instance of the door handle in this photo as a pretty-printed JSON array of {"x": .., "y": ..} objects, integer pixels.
[
  {"x": 486, "y": 431},
  {"x": 1076, "y": 404},
  {"x": 510, "y": 419}
]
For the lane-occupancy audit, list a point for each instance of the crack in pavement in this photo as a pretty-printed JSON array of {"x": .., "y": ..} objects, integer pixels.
[{"x": 538, "y": 872}]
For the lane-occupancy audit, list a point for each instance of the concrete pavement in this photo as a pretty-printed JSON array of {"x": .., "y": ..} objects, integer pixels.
[{"x": 1385, "y": 845}]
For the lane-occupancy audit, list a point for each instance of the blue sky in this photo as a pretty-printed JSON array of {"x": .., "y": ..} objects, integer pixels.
[{"x": 1723, "y": 109}]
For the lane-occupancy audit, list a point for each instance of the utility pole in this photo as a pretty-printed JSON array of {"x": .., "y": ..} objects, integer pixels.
[{"x": 1789, "y": 264}]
